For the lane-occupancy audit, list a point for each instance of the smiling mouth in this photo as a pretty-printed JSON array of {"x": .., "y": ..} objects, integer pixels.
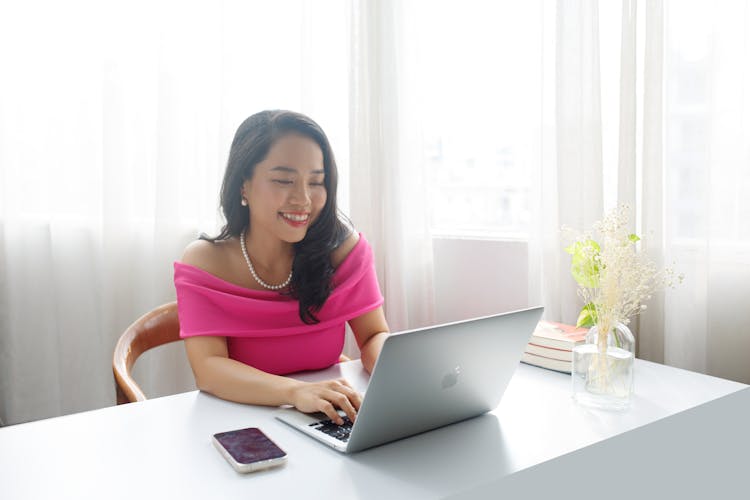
[{"x": 296, "y": 218}]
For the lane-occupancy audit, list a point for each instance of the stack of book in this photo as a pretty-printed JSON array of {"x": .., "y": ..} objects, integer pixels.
[{"x": 551, "y": 346}]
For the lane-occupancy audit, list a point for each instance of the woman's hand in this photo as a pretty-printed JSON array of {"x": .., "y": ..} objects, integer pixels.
[{"x": 326, "y": 397}]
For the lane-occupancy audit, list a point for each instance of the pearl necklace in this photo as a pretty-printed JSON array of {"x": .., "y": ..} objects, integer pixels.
[{"x": 252, "y": 269}]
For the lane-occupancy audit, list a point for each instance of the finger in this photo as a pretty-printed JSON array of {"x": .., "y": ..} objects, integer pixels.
[
  {"x": 356, "y": 400},
  {"x": 342, "y": 401},
  {"x": 327, "y": 408},
  {"x": 342, "y": 385},
  {"x": 354, "y": 397}
]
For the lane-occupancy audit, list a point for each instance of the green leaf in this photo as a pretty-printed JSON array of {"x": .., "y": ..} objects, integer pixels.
[
  {"x": 587, "y": 317},
  {"x": 633, "y": 238},
  {"x": 584, "y": 265}
]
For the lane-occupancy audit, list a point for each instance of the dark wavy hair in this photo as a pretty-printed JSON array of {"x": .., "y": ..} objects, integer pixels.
[{"x": 312, "y": 271}]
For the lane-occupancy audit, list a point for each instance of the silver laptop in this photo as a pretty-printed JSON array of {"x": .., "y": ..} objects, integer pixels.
[{"x": 428, "y": 378}]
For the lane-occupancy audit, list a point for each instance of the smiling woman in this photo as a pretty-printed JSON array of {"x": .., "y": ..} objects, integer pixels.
[{"x": 308, "y": 275}]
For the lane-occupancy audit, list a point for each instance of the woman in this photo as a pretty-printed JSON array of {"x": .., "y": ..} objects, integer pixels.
[{"x": 271, "y": 293}]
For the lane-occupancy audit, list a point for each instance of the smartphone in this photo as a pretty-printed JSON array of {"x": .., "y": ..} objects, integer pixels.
[{"x": 249, "y": 450}]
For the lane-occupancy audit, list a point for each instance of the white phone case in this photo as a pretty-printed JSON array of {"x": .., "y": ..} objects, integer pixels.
[{"x": 248, "y": 467}]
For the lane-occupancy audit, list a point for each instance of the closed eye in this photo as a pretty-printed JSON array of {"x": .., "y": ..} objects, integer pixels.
[{"x": 282, "y": 181}]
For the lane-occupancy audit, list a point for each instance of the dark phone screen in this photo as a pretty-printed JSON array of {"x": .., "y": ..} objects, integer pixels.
[{"x": 249, "y": 445}]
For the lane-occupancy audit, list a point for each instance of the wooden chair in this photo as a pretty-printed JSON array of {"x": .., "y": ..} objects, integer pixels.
[{"x": 157, "y": 327}]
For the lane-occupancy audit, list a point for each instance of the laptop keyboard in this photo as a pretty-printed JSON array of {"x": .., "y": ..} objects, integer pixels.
[{"x": 340, "y": 432}]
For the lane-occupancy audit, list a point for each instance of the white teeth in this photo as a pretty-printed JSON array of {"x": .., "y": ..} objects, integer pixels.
[{"x": 295, "y": 218}]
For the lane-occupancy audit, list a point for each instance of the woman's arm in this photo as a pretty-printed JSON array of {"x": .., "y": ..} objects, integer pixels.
[
  {"x": 370, "y": 330},
  {"x": 228, "y": 379}
]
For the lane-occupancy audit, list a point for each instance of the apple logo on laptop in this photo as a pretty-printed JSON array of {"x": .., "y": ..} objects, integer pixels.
[{"x": 451, "y": 378}]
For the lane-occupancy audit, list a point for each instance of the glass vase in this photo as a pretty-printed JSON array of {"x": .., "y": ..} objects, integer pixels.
[{"x": 603, "y": 370}]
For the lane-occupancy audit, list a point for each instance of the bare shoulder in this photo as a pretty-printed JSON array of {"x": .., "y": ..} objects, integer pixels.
[
  {"x": 206, "y": 255},
  {"x": 343, "y": 250}
]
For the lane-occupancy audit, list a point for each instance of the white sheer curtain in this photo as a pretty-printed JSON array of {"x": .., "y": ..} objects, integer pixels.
[
  {"x": 569, "y": 173},
  {"x": 388, "y": 184},
  {"x": 685, "y": 166},
  {"x": 675, "y": 128},
  {"x": 706, "y": 208},
  {"x": 115, "y": 124}
]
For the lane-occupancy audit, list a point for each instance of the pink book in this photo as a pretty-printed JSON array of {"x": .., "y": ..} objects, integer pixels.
[{"x": 557, "y": 335}]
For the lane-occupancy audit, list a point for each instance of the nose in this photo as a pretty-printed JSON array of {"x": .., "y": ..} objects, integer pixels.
[{"x": 300, "y": 195}]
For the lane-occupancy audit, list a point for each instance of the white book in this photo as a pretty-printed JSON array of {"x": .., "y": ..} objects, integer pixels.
[
  {"x": 550, "y": 363},
  {"x": 550, "y": 352}
]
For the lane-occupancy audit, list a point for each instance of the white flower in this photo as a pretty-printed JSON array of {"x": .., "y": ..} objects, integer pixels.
[{"x": 614, "y": 275}]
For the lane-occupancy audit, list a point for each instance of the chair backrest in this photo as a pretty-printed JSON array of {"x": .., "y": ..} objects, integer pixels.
[{"x": 157, "y": 327}]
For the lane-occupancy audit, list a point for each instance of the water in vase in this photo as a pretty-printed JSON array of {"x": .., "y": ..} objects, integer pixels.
[{"x": 603, "y": 380}]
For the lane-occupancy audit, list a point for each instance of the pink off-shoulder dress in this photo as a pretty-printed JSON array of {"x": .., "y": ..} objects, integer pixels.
[{"x": 263, "y": 328}]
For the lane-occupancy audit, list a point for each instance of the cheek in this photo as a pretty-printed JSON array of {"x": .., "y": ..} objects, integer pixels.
[
  {"x": 319, "y": 199},
  {"x": 265, "y": 199}
]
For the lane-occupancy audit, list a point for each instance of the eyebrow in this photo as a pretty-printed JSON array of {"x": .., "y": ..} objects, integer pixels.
[{"x": 282, "y": 168}]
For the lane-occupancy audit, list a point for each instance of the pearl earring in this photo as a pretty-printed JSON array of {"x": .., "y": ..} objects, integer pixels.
[{"x": 244, "y": 202}]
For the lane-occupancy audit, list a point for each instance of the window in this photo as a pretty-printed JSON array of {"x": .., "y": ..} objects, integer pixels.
[
  {"x": 479, "y": 71},
  {"x": 706, "y": 109}
]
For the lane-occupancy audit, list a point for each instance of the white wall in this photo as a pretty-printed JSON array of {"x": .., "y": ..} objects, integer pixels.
[
  {"x": 473, "y": 278},
  {"x": 479, "y": 277}
]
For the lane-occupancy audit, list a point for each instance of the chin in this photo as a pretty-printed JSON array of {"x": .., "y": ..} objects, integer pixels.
[
  {"x": 294, "y": 236},
  {"x": 295, "y": 239}
]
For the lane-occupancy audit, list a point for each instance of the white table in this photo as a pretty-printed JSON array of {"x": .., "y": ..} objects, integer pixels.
[{"x": 537, "y": 437}]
